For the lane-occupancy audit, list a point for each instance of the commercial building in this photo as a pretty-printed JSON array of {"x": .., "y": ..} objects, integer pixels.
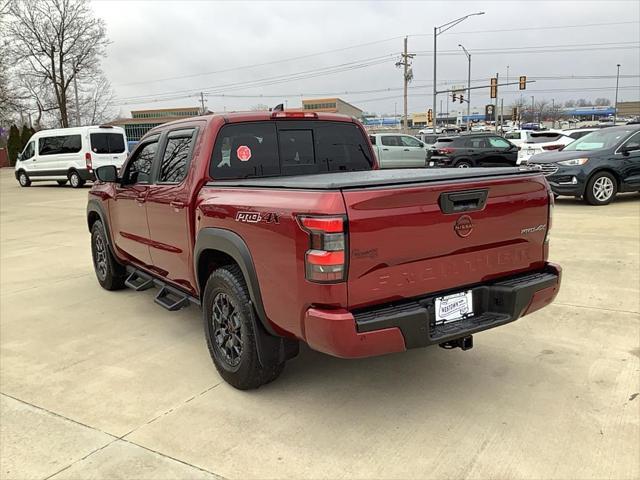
[
  {"x": 142, "y": 121},
  {"x": 629, "y": 109},
  {"x": 331, "y": 105}
]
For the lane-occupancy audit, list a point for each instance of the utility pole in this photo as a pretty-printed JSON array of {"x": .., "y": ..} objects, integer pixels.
[
  {"x": 75, "y": 87},
  {"x": 468, "y": 87},
  {"x": 553, "y": 113},
  {"x": 405, "y": 62},
  {"x": 615, "y": 106},
  {"x": 501, "y": 112},
  {"x": 437, "y": 31},
  {"x": 202, "y": 102},
  {"x": 495, "y": 109},
  {"x": 533, "y": 109}
]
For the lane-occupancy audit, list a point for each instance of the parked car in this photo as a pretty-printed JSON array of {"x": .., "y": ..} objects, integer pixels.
[
  {"x": 70, "y": 154},
  {"x": 576, "y": 133},
  {"x": 429, "y": 139},
  {"x": 596, "y": 166},
  {"x": 275, "y": 224},
  {"x": 517, "y": 137},
  {"x": 394, "y": 150},
  {"x": 473, "y": 150},
  {"x": 542, "y": 141}
]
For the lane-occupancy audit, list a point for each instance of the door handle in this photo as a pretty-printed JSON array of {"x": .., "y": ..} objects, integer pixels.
[
  {"x": 385, "y": 149},
  {"x": 177, "y": 204},
  {"x": 141, "y": 198},
  {"x": 407, "y": 150}
]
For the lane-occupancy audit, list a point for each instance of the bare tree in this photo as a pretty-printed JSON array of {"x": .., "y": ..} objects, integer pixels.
[
  {"x": 96, "y": 100},
  {"x": 602, "y": 102},
  {"x": 570, "y": 103},
  {"x": 542, "y": 107},
  {"x": 56, "y": 41},
  {"x": 582, "y": 103}
]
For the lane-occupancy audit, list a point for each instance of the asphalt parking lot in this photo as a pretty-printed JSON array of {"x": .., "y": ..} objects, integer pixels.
[{"x": 98, "y": 384}]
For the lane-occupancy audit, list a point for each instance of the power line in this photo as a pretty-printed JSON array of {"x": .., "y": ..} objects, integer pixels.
[
  {"x": 548, "y": 27},
  {"x": 375, "y": 42}
]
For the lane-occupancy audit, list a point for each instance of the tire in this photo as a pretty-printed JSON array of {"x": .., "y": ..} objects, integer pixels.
[
  {"x": 75, "y": 180},
  {"x": 23, "y": 179},
  {"x": 463, "y": 164},
  {"x": 601, "y": 189},
  {"x": 229, "y": 320},
  {"x": 62, "y": 182},
  {"x": 110, "y": 274}
]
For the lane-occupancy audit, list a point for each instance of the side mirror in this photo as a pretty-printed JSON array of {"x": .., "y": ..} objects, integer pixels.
[
  {"x": 627, "y": 149},
  {"x": 107, "y": 173},
  {"x": 20, "y": 156}
]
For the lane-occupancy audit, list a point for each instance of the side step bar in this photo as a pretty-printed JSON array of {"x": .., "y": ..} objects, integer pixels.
[{"x": 167, "y": 297}]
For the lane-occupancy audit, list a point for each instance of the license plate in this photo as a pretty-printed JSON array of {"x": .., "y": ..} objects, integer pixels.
[{"x": 454, "y": 307}]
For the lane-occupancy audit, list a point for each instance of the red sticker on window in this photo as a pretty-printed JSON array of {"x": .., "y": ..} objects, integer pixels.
[{"x": 243, "y": 153}]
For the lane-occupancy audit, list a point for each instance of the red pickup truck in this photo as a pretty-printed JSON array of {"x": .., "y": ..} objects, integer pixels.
[{"x": 281, "y": 227}]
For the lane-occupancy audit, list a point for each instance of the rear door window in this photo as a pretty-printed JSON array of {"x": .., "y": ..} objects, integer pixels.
[
  {"x": 476, "y": 143},
  {"x": 288, "y": 147},
  {"x": 107, "y": 142},
  {"x": 498, "y": 142},
  {"x": 544, "y": 137},
  {"x": 177, "y": 153},
  {"x": 390, "y": 141}
]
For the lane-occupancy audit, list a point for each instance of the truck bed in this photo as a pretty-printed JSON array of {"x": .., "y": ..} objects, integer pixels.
[{"x": 374, "y": 178}]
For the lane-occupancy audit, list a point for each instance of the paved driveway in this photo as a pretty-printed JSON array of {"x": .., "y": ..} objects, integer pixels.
[{"x": 101, "y": 384}]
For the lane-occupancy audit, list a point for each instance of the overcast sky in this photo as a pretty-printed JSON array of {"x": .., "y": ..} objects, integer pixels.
[{"x": 217, "y": 47}]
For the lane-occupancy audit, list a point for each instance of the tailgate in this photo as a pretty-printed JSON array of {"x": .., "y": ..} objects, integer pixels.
[{"x": 409, "y": 241}]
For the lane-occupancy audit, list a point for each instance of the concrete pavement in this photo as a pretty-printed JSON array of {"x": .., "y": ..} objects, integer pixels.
[{"x": 98, "y": 384}]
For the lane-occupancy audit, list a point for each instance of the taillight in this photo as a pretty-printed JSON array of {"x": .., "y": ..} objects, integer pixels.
[
  {"x": 552, "y": 147},
  {"x": 294, "y": 115},
  {"x": 325, "y": 261},
  {"x": 446, "y": 150},
  {"x": 87, "y": 160}
]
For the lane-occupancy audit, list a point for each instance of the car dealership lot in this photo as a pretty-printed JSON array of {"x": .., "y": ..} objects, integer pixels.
[{"x": 98, "y": 383}]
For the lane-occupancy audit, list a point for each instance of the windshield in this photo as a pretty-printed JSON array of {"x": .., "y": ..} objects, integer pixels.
[{"x": 606, "y": 138}]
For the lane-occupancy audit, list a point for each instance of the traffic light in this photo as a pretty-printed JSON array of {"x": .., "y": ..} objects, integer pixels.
[
  {"x": 494, "y": 87},
  {"x": 523, "y": 82},
  {"x": 453, "y": 95},
  {"x": 461, "y": 99},
  {"x": 430, "y": 115},
  {"x": 514, "y": 114}
]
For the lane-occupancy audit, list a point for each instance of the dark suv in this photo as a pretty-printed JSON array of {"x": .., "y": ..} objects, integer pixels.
[
  {"x": 595, "y": 166},
  {"x": 473, "y": 150}
]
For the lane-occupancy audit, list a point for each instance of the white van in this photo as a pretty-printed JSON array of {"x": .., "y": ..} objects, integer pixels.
[{"x": 70, "y": 154}]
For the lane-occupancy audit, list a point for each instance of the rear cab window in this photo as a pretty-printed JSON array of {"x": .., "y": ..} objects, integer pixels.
[{"x": 288, "y": 147}]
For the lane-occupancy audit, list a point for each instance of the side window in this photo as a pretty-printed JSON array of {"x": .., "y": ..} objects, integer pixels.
[
  {"x": 29, "y": 151},
  {"x": 498, "y": 142},
  {"x": 139, "y": 168},
  {"x": 175, "y": 160},
  {"x": 476, "y": 143},
  {"x": 633, "y": 144},
  {"x": 61, "y": 144},
  {"x": 410, "y": 141},
  {"x": 390, "y": 141}
]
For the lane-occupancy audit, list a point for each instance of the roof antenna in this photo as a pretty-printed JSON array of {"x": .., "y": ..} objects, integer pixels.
[{"x": 279, "y": 108}]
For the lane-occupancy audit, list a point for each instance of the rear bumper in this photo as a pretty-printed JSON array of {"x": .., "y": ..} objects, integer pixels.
[{"x": 411, "y": 324}]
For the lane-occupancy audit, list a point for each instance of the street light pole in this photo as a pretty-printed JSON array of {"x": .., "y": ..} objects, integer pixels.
[
  {"x": 533, "y": 109},
  {"x": 437, "y": 31},
  {"x": 468, "y": 86},
  {"x": 615, "y": 107}
]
